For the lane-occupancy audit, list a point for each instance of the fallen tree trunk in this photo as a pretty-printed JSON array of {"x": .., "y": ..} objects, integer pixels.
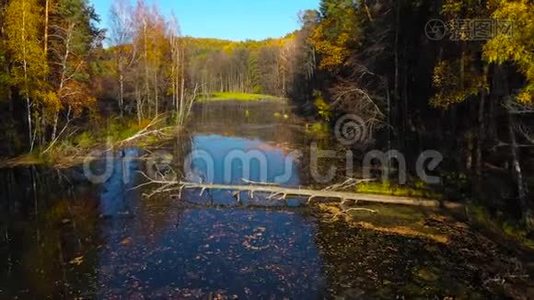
[
  {"x": 284, "y": 192},
  {"x": 281, "y": 193}
]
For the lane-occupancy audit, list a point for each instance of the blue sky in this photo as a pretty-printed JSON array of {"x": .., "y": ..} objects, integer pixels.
[{"x": 228, "y": 19}]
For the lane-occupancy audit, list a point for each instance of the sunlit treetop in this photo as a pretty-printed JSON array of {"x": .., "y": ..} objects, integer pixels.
[{"x": 517, "y": 45}]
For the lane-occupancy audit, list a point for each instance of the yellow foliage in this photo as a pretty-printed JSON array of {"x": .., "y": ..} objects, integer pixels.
[
  {"x": 323, "y": 108},
  {"x": 22, "y": 25},
  {"x": 333, "y": 38},
  {"x": 516, "y": 44},
  {"x": 451, "y": 87}
]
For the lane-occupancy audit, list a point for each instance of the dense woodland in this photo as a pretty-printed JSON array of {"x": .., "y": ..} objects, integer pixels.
[
  {"x": 470, "y": 99},
  {"x": 261, "y": 67}
]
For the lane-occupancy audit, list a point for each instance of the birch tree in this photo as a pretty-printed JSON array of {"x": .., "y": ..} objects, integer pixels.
[
  {"x": 72, "y": 38},
  {"x": 124, "y": 51},
  {"x": 150, "y": 39},
  {"x": 177, "y": 68},
  {"x": 28, "y": 62}
]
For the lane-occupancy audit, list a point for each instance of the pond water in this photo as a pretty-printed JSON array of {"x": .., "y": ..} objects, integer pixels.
[{"x": 62, "y": 237}]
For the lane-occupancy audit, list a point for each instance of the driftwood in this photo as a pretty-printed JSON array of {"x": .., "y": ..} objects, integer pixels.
[
  {"x": 284, "y": 192},
  {"x": 146, "y": 131},
  {"x": 274, "y": 192}
]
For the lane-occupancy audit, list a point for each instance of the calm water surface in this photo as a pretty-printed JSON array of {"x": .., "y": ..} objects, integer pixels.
[{"x": 63, "y": 237}]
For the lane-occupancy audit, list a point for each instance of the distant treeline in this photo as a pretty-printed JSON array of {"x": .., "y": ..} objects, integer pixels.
[{"x": 260, "y": 67}]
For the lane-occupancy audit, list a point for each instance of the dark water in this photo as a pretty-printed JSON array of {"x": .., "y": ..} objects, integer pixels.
[{"x": 63, "y": 237}]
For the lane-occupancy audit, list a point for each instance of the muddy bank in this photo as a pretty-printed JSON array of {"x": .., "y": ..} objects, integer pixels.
[{"x": 425, "y": 255}]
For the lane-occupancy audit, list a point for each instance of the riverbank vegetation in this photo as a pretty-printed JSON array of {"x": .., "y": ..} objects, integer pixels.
[
  {"x": 456, "y": 77},
  {"x": 61, "y": 80},
  {"x": 467, "y": 94},
  {"x": 107, "y": 134},
  {"x": 416, "y": 254},
  {"x": 236, "y": 96},
  {"x": 62, "y": 77}
]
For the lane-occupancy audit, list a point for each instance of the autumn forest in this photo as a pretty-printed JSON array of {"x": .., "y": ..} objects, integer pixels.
[{"x": 446, "y": 76}]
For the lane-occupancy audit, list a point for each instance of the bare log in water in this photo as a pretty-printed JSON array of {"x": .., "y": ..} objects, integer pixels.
[
  {"x": 281, "y": 193},
  {"x": 284, "y": 192}
]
